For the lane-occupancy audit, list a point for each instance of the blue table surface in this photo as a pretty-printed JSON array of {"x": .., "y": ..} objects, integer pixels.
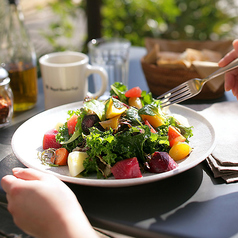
[{"x": 190, "y": 204}]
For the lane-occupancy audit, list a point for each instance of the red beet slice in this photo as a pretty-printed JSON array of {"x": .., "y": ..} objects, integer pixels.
[
  {"x": 161, "y": 162},
  {"x": 49, "y": 140},
  {"x": 125, "y": 169}
]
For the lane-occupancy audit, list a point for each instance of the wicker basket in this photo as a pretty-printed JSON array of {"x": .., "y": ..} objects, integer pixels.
[{"x": 160, "y": 79}]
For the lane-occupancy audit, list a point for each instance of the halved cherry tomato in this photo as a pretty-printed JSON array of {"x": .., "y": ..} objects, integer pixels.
[
  {"x": 180, "y": 151},
  {"x": 71, "y": 123},
  {"x": 133, "y": 92},
  {"x": 174, "y": 136},
  {"x": 135, "y": 102},
  {"x": 177, "y": 140}
]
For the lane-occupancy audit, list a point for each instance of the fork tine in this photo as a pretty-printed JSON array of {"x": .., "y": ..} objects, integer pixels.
[
  {"x": 177, "y": 92},
  {"x": 177, "y": 96},
  {"x": 176, "y": 100},
  {"x": 173, "y": 91}
]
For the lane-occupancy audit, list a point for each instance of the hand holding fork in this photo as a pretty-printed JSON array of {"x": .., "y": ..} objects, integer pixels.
[{"x": 192, "y": 87}]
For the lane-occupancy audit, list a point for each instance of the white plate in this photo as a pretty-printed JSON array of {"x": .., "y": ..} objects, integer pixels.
[{"x": 27, "y": 141}]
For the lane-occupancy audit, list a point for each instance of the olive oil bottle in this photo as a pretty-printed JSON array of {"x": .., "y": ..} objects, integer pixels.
[{"x": 19, "y": 59}]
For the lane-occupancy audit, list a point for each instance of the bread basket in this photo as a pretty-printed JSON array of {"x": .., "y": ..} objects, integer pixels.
[{"x": 163, "y": 77}]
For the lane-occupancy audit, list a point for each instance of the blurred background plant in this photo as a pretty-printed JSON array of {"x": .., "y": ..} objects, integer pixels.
[
  {"x": 137, "y": 19},
  {"x": 203, "y": 20},
  {"x": 63, "y": 27}
]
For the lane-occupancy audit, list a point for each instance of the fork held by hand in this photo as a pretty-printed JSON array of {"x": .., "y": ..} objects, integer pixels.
[{"x": 192, "y": 87}]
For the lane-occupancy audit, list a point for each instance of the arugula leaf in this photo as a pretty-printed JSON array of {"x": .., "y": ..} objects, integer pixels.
[
  {"x": 118, "y": 89},
  {"x": 63, "y": 137},
  {"x": 117, "y": 103},
  {"x": 149, "y": 109},
  {"x": 82, "y": 114},
  {"x": 72, "y": 138},
  {"x": 133, "y": 116},
  {"x": 146, "y": 98},
  {"x": 97, "y": 107}
]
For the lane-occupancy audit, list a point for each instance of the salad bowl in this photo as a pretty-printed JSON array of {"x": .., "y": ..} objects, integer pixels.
[{"x": 27, "y": 143}]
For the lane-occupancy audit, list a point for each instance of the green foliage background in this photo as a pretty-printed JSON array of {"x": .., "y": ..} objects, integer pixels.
[{"x": 137, "y": 19}]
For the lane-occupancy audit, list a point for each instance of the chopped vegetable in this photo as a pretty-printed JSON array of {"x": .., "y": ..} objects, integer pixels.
[
  {"x": 161, "y": 162},
  {"x": 153, "y": 114},
  {"x": 60, "y": 157},
  {"x": 115, "y": 108},
  {"x": 49, "y": 140},
  {"x": 125, "y": 169},
  {"x": 75, "y": 162},
  {"x": 155, "y": 120},
  {"x": 174, "y": 136},
  {"x": 133, "y": 92},
  {"x": 71, "y": 123},
  {"x": 111, "y": 123},
  {"x": 135, "y": 102},
  {"x": 180, "y": 151},
  {"x": 89, "y": 121}
]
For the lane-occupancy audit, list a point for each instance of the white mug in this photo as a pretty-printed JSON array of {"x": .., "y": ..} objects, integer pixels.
[{"x": 65, "y": 78}]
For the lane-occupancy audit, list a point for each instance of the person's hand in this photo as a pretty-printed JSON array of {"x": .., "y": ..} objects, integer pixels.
[
  {"x": 43, "y": 206},
  {"x": 231, "y": 78}
]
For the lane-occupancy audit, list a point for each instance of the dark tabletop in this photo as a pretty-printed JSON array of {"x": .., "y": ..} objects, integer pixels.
[{"x": 190, "y": 204}]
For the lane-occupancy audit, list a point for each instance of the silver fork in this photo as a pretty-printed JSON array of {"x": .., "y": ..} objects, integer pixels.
[{"x": 192, "y": 87}]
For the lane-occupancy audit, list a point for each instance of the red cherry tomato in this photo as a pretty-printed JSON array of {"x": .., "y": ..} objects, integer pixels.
[
  {"x": 71, "y": 123},
  {"x": 174, "y": 136},
  {"x": 133, "y": 92}
]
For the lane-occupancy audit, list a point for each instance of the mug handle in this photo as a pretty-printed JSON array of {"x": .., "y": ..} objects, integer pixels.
[{"x": 104, "y": 78}]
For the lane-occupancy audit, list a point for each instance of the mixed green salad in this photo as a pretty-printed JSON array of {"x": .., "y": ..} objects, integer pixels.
[{"x": 129, "y": 124}]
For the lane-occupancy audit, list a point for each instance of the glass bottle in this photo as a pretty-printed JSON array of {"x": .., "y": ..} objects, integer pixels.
[
  {"x": 3, "y": 15},
  {"x": 19, "y": 59}
]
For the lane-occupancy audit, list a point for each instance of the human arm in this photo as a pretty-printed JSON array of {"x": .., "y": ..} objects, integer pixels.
[
  {"x": 43, "y": 206},
  {"x": 231, "y": 78}
]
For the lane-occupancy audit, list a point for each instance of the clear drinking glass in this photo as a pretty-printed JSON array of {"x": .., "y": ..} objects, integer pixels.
[{"x": 113, "y": 55}]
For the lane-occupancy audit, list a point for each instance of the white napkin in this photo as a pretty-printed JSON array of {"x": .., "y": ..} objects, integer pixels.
[
  {"x": 224, "y": 159},
  {"x": 204, "y": 69}
]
